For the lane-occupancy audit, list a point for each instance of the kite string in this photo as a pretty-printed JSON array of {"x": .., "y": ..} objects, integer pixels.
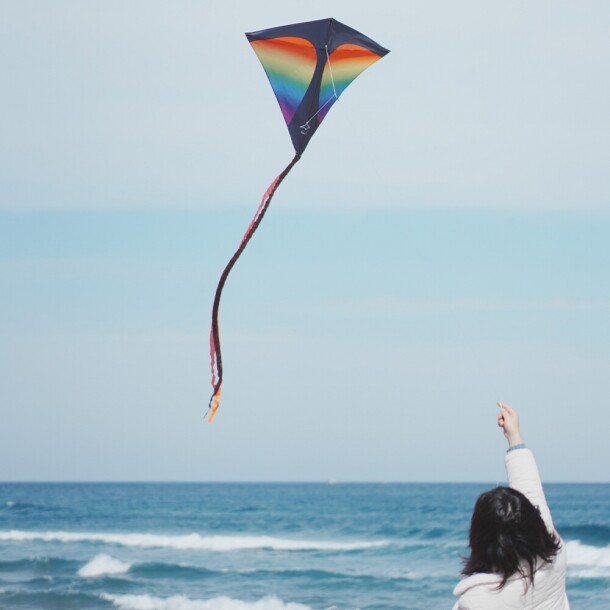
[{"x": 215, "y": 351}]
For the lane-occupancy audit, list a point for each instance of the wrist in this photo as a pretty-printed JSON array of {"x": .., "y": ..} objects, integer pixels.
[{"x": 514, "y": 439}]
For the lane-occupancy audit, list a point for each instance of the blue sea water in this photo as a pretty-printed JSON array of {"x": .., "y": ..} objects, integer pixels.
[{"x": 265, "y": 546}]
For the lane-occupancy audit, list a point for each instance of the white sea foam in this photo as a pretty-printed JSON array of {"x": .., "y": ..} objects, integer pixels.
[
  {"x": 179, "y": 602},
  {"x": 190, "y": 541},
  {"x": 103, "y": 564},
  {"x": 585, "y": 561}
]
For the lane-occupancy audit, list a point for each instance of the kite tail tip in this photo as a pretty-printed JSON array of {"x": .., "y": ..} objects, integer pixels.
[{"x": 214, "y": 402}]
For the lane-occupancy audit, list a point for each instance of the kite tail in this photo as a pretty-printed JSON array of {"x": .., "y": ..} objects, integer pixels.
[{"x": 215, "y": 353}]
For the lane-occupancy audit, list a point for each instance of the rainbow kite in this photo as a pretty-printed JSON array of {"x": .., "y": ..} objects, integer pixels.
[{"x": 309, "y": 65}]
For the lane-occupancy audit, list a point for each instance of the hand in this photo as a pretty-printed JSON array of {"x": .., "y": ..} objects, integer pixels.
[{"x": 508, "y": 420}]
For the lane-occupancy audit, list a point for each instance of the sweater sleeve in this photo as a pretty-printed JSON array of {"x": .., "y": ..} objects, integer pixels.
[{"x": 523, "y": 476}]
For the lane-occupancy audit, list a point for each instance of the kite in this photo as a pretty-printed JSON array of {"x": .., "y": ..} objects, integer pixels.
[{"x": 309, "y": 65}]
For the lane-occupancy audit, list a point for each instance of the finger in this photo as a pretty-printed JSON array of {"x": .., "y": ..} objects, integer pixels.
[{"x": 505, "y": 408}]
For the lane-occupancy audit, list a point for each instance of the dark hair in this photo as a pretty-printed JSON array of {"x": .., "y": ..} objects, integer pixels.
[{"x": 508, "y": 535}]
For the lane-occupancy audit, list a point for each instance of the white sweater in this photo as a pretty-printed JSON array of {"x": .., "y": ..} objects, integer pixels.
[{"x": 480, "y": 591}]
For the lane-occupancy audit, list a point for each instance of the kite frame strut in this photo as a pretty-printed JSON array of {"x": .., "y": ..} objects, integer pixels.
[{"x": 215, "y": 351}]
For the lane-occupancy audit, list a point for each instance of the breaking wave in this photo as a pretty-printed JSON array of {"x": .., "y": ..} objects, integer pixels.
[
  {"x": 179, "y": 602},
  {"x": 103, "y": 565},
  {"x": 191, "y": 541},
  {"x": 585, "y": 561}
]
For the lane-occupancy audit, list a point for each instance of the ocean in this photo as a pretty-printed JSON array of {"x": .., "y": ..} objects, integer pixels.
[{"x": 255, "y": 546}]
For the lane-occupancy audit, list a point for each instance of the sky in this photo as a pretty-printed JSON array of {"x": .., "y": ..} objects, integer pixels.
[{"x": 443, "y": 244}]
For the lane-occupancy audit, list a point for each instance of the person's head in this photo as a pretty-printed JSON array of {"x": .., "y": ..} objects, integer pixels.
[{"x": 508, "y": 535}]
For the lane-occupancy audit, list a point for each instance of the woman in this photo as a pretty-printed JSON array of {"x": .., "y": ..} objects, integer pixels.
[{"x": 517, "y": 559}]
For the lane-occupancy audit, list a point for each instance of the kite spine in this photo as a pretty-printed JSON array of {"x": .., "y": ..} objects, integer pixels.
[{"x": 215, "y": 353}]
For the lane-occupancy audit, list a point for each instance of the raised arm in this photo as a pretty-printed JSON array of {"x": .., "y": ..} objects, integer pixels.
[{"x": 521, "y": 467}]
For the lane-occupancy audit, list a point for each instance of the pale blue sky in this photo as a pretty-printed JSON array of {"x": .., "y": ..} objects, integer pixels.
[{"x": 442, "y": 244}]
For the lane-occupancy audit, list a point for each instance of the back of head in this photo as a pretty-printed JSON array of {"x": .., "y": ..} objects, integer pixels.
[{"x": 508, "y": 535}]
